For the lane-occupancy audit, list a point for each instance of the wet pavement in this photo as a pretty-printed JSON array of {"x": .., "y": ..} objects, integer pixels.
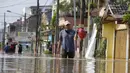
[{"x": 30, "y": 64}]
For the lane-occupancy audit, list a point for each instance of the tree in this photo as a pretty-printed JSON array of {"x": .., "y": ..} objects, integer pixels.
[
  {"x": 66, "y": 6},
  {"x": 53, "y": 22},
  {"x": 44, "y": 26},
  {"x": 126, "y": 18}
]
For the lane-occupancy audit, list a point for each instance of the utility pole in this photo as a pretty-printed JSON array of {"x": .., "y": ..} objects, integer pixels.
[
  {"x": 88, "y": 20},
  {"x": 37, "y": 26},
  {"x": 25, "y": 22},
  {"x": 57, "y": 25},
  {"x": 37, "y": 39},
  {"x": 3, "y": 42},
  {"x": 74, "y": 14},
  {"x": 4, "y": 32},
  {"x": 82, "y": 12},
  {"x": 40, "y": 44}
]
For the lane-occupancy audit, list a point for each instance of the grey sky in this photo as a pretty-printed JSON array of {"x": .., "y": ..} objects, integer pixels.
[{"x": 17, "y": 7}]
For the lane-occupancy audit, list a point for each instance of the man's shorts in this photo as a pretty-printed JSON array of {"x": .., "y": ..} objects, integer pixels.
[{"x": 66, "y": 54}]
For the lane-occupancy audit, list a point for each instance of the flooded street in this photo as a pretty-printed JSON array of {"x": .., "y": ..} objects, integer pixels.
[
  {"x": 30, "y": 64},
  {"x": 41, "y": 34}
]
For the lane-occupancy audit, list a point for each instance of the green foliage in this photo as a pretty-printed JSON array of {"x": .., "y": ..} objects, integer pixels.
[
  {"x": 52, "y": 23},
  {"x": 98, "y": 22},
  {"x": 65, "y": 6},
  {"x": 126, "y": 18},
  {"x": 100, "y": 52},
  {"x": 129, "y": 7},
  {"x": 0, "y": 45},
  {"x": 93, "y": 5},
  {"x": 53, "y": 20},
  {"x": 102, "y": 1},
  {"x": 123, "y": 2},
  {"x": 42, "y": 26},
  {"x": 47, "y": 52}
]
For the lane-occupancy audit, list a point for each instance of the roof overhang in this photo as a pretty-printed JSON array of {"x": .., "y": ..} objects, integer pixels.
[{"x": 111, "y": 12}]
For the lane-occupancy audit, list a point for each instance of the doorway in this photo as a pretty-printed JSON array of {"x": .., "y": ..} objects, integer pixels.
[{"x": 120, "y": 51}]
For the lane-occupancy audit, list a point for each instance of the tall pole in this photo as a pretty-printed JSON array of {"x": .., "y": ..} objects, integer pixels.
[
  {"x": 25, "y": 22},
  {"x": 57, "y": 24},
  {"x": 40, "y": 44},
  {"x": 88, "y": 20},
  {"x": 4, "y": 31},
  {"x": 82, "y": 12},
  {"x": 98, "y": 4},
  {"x": 37, "y": 38},
  {"x": 74, "y": 14},
  {"x": 3, "y": 43},
  {"x": 57, "y": 21},
  {"x": 37, "y": 26}
]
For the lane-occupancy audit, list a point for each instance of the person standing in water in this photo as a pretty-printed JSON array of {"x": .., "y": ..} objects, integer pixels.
[
  {"x": 66, "y": 40},
  {"x": 20, "y": 49}
]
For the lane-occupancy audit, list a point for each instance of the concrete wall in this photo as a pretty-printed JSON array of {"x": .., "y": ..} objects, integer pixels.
[
  {"x": 109, "y": 32},
  {"x": 31, "y": 23},
  {"x": 71, "y": 20}
]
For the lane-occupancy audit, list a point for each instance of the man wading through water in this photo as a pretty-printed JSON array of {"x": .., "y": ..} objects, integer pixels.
[{"x": 66, "y": 41}]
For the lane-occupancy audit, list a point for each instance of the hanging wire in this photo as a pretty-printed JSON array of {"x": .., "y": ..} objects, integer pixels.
[
  {"x": 15, "y": 4},
  {"x": 1, "y": 16}
]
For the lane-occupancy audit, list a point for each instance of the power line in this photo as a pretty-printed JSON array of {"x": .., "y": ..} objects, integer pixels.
[
  {"x": 14, "y": 4},
  {"x": 9, "y": 16},
  {"x": 17, "y": 4}
]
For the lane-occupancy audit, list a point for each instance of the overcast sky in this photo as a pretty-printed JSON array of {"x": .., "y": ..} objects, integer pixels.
[{"x": 17, "y": 7}]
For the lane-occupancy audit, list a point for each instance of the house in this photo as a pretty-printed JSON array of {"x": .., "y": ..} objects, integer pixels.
[
  {"x": 32, "y": 20},
  {"x": 117, "y": 35},
  {"x": 14, "y": 28},
  {"x": 112, "y": 22},
  {"x": 45, "y": 25}
]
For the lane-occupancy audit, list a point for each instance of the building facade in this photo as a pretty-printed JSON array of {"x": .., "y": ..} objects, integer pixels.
[{"x": 32, "y": 19}]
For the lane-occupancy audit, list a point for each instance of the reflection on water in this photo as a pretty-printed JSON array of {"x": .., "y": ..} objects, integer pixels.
[{"x": 22, "y": 64}]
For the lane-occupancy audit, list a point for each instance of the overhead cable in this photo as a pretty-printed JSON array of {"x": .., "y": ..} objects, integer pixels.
[{"x": 14, "y": 4}]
